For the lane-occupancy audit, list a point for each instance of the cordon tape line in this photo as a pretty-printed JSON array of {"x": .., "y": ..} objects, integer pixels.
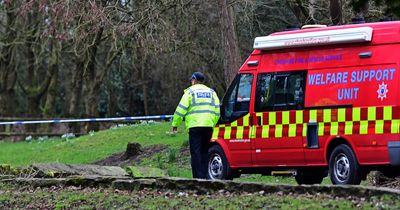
[{"x": 156, "y": 117}]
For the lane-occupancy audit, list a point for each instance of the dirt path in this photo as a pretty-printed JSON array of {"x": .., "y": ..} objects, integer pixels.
[{"x": 122, "y": 159}]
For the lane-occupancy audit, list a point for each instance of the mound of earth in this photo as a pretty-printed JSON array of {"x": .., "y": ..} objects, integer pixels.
[
  {"x": 132, "y": 156},
  {"x": 378, "y": 179}
]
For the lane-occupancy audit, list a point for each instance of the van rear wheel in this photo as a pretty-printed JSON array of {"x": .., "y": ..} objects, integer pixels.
[
  {"x": 343, "y": 166},
  {"x": 218, "y": 166}
]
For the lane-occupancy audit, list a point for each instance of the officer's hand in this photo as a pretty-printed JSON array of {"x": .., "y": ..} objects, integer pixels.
[{"x": 172, "y": 132}]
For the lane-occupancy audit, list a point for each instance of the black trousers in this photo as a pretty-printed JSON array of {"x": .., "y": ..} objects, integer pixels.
[{"x": 199, "y": 140}]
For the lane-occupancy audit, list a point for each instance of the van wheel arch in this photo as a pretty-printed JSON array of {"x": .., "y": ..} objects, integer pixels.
[
  {"x": 224, "y": 148},
  {"x": 333, "y": 144}
]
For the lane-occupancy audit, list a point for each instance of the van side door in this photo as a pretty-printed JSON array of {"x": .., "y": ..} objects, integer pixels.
[
  {"x": 278, "y": 105},
  {"x": 234, "y": 124}
]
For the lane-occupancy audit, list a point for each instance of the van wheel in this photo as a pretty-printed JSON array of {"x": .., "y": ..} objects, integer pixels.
[
  {"x": 218, "y": 166},
  {"x": 343, "y": 166}
]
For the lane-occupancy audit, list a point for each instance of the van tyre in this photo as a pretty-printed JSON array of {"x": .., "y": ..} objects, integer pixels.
[
  {"x": 343, "y": 166},
  {"x": 218, "y": 166}
]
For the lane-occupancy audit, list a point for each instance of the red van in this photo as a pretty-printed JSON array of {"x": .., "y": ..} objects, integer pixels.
[{"x": 314, "y": 101}]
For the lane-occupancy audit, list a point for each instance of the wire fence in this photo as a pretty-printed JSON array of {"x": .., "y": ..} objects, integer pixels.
[
  {"x": 154, "y": 117},
  {"x": 23, "y": 127}
]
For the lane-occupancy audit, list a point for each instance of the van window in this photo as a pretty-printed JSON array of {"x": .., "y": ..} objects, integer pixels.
[
  {"x": 237, "y": 99},
  {"x": 280, "y": 91}
]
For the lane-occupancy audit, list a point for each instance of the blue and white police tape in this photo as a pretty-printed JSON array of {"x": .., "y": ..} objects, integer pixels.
[{"x": 156, "y": 117}]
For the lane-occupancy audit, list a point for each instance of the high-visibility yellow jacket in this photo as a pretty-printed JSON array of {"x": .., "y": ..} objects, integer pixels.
[{"x": 199, "y": 106}]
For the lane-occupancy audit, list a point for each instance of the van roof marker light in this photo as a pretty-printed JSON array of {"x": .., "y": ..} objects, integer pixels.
[
  {"x": 252, "y": 63},
  {"x": 313, "y": 26},
  {"x": 316, "y": 38}
]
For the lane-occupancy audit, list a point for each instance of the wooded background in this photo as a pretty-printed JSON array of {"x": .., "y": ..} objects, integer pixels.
[{"x": 103, "y": 58}]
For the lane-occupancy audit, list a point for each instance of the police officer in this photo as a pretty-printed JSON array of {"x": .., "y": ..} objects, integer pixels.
[{"x": 199, "y": 106}]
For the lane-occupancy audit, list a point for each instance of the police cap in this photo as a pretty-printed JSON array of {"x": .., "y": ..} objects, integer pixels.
[{"x": 198, "y": 76}]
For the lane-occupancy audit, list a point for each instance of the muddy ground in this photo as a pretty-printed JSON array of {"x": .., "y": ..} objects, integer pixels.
[
  {"x": 135, "y": 153},
  {"x": 131, "y": 158}
]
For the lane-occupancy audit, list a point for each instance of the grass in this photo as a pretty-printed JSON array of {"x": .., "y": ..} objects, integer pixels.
[
  {"x": 88, "y": 198},
  {"x": 99, "y": 145},
  {"x": 89, "y": 148}
]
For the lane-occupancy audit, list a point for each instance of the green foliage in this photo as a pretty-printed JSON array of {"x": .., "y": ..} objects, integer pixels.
[
  {"x": 273, "y": 179},
  {"x": 135, "y": 171},
  {"x": 267, "y": 179},
  {"x": 185, "y": 143},
  {"x": 5, "y": 169},
  {"x": 160, "y": 162},
  {"x": 358, "y": 5},
  {"x": 390, "y": 7},
  {"x": 179, "y": 171},
  {"x": 393, "y": 7},
  {"x": 172, "y": 155}
]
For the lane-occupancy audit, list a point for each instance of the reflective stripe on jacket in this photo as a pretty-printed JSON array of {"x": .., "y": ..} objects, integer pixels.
[{"x": 199, "y": 106}]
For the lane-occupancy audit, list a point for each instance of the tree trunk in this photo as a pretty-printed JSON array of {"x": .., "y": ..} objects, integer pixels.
[
  {"x": 91, "y": 83},
  {"x": 76, "y": 95},
  {"x": 7, "y": 103},
  {"x": 30, "y": 84},
  {"x": 311, "y": 9},
  {"x": 144, "y": 88},
  {"x": 35, "y": 84},
  {"x": 7, "y": 93},
  {"x": 8, "y": 75},
  {"x": 301, "y": 12},
  {"x": 32, "y": 104},
  {"x": 140, "y": 67},
  {"x": 49, "y": 110},
  {"x": 230, "y": 45},
  {"x": 112, "y": 108},
  {"x": 335, "y": 8},
  {"x": 50, "y": 103},
  {"x": 134, "y": 103}
]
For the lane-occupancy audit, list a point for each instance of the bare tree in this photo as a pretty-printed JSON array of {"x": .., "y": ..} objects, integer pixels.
[
  {"x": 335, "y": 8},
  {"x": 35, "y": 78},
  {"x": 229, "y": 41},
  {"x": 8, "y": 75}
]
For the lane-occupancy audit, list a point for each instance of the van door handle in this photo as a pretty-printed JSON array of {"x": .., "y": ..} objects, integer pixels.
[
  {"x": 365, "y": 54},
  {"x": 258, "y": 120}
]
